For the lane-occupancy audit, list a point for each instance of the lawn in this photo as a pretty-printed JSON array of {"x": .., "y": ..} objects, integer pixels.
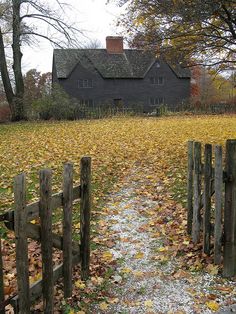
[
  {"x": 114, "y": 145},
  {"x": 154, "y": 147}
]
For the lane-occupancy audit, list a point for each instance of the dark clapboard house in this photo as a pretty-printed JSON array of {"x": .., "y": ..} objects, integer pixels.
[{"x": 120, "y": 77}]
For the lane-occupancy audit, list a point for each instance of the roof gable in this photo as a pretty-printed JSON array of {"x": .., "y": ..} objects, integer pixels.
[{"x": 130, "y": 64}]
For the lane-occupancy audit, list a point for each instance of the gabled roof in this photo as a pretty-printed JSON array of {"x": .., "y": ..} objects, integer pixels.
[{"x": 130, "y": 64}]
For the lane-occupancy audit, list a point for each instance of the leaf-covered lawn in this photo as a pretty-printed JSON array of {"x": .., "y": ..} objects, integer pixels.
[
  {"x": 114, "y": 144},
  {"x": 154, "y": 147}
]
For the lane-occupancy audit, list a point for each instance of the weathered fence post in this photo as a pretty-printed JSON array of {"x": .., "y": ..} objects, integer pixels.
[
  {"x": 67, "y": 228},
  {"x": 85, "y": 208},
  {"x": 20, "y": 221},
  {"x": 190, "y": 187},
  {"x": 230, "y": 208},
  {"x": 207, "y": 199},
  {"x": 2, "y": 309},
  {"x": 45, "y": 214},
  {"x": 218, "y": 205},
  {"x": 197, "y": 193}
]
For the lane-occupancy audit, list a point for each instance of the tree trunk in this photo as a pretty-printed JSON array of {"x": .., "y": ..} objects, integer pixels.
[
  {"x": 18, "y": 99},
  {"x": 5, "y": 74}
]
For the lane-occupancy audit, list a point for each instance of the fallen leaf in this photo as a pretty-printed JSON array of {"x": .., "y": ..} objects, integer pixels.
[
  {"x": 212, "y": 269},
  {"x": 107, "y": 256},
  {"x": 212, "y": 305},
  {"x": 148, "y": 303},
  {"x": 139, "y": 255},
  {"x": 80, "y": 284},
  {"x": 103, "y": 306}
]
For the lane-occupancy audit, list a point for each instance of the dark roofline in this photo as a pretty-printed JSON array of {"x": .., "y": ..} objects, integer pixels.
[{"x": 75, "y": 56}]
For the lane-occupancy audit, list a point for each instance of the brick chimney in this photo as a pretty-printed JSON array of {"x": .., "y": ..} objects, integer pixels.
[{"x": 114, "y": 44}]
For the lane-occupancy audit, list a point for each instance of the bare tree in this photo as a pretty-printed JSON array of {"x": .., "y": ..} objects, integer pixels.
[
  {"x": 18, "y": 25},
  {"x": 93, "y": 44}
]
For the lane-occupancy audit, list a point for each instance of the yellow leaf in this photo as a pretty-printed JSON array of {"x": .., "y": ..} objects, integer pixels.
[
  {"x": 148, "y": 303},
  {"x": 107, "y": 256},
  {"x": 80, "y": 312},
  {"x": 80, "y": 284},
  {"x": 163, "y": 249},
  {"x": 77, "y": 226},
  {"x": 126, "y": 270},
  {"x": 212, "y": 305},
  {"x": 139, "y": 255},
  {"x": 103, "y": 306}
]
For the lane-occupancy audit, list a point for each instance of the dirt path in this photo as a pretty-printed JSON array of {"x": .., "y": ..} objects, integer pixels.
[{"x": 149, "y": 278}]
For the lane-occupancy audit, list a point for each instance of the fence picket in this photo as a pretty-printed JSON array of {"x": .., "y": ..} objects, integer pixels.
[
  {"x": 20, "y": 220},
  {"x": 190, "y": 187},
  {"x": 45, "y": 213},
  {"x": 197, "y": 193},
  {"x": 2, "y": 309},
  {"x": 85, "y": 208},
  {"x": 207, "y": 199},
  {"x": 67, "y": 228},
  {"x": 230, "y": 208},
  {"x": 218, "y": 205}
]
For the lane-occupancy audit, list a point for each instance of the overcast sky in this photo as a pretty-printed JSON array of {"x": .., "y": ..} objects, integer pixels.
[{"x": 94, "y": 17}]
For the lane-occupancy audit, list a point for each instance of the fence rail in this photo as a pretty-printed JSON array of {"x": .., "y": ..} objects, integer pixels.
[
  {"x": 211, "y": 217},
  {"x": 20, "y": 220}
]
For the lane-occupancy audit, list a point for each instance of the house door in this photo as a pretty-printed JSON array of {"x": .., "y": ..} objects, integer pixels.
[{"x": 118, "y": 103}]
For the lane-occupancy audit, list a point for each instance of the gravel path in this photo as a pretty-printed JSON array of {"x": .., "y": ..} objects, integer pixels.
[{"x": 142, "y": 283}]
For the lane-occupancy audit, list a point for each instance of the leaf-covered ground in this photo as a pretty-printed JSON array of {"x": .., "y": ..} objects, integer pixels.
[{"x": 156, "y": 149}]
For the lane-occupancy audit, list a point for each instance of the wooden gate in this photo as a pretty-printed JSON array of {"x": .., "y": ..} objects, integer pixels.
[
  {"x": 214, "y": 216},
  {"x": 20, "y": 220}
]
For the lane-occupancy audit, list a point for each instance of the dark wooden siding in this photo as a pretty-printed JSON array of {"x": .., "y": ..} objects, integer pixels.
[{"x": 133, "y": 92}]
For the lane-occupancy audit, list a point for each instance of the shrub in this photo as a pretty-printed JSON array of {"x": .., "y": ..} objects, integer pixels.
[
  {"x": 5, "y": 114},
  {"x": 56, "y": 105}
]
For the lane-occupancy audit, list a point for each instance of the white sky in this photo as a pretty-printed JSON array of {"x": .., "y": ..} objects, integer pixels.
[{"x": 94, "y": 17}]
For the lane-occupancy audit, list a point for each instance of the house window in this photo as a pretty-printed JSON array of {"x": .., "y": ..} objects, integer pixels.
[
  {"x": 157, "y": 80},
  {"x": 157, "y": 101},
  {"x": 85, "y": 83},
  {"x": 86, "y": 102},
  {"x": 158, "y": 65}
]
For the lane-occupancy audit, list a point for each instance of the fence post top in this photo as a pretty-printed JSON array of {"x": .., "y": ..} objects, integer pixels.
[
  {"x": 231, "y": 141},
  {"x": 86, "y": 158}
]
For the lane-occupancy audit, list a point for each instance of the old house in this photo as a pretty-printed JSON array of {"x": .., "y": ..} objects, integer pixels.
[{"x": 120, "y": 77}]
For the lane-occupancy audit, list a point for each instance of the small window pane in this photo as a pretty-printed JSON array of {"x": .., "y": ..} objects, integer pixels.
[
  {"x": 152, "y": 101},
  {"x": 85, "y": 83},
  {"x": 160, "y": 80}
]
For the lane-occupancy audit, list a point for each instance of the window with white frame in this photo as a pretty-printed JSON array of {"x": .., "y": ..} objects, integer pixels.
[{"x": 85, "y": 83}]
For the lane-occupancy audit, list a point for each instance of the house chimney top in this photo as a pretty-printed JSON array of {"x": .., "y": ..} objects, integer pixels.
[{"x": 114, "y": 44}]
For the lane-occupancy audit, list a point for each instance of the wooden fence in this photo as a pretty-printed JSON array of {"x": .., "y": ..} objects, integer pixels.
[
  {"x": 20, "y": 219},
  {"x": 211, "y": 202}
]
